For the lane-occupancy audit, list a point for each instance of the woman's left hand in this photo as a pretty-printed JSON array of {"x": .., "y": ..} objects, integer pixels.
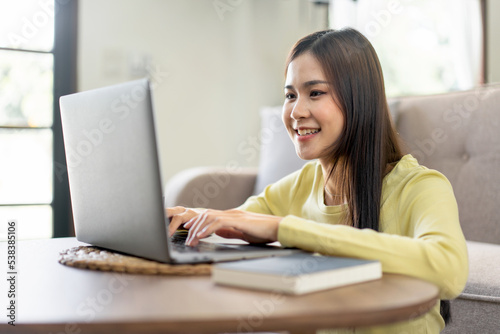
[{"x": 248, "y": 226}]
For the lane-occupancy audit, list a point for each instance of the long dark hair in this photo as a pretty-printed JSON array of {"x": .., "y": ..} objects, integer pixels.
[{"x": 368, "y": 144}]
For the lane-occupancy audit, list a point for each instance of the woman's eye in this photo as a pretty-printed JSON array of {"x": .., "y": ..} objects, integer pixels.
[
  {"x": 289, "y": 96},
  {"x": 315, "y": 93}
]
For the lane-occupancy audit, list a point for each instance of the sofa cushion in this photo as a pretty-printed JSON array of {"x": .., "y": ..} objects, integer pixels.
[
  {"x": 277, "y": 152},
  {"x": 473, "y": 316},
  {"x": 458, "y": 135},
  {"x": 484, "y": 272}
]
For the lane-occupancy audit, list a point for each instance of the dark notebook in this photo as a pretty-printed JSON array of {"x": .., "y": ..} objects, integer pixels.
[{"x": 296, "y": 274}]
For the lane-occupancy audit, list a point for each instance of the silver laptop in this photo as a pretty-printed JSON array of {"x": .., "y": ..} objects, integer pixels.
[{"x": 115, "y": 182}]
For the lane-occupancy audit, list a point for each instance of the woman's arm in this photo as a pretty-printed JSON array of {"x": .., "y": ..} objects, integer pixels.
[
  {"x": 255, "y": 221},
  {"x": 427, "y": 242}
]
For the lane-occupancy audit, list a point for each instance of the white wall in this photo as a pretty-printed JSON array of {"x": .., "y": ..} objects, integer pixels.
[
  {"x": 493, "y": 52},
  {"x": 219, "y": 62},
  {"x": 216, "y": 68}
]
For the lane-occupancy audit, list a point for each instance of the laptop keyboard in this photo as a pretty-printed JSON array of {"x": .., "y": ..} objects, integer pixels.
[{"x": 178, "y": 244}]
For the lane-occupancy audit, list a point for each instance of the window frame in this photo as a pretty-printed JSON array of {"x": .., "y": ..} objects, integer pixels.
[
  {"x": 65, "y": 76},
  {"x": 64, "y": 54}
]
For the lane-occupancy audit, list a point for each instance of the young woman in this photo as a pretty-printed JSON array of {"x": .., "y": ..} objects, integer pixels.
[{"x": 360, "y": 197}]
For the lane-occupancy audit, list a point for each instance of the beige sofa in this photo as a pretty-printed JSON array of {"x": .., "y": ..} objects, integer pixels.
[{"x": 456, "y": 133}]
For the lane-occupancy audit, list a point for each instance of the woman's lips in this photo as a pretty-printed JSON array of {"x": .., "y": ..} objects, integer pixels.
[{"x": 306, "y": 133}]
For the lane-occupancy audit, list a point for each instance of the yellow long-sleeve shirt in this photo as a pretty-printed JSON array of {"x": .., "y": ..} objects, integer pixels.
[{"x": 419, "y": 236}]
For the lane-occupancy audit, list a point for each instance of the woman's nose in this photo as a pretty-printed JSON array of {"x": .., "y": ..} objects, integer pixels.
[{"x": 299, "y": 110}]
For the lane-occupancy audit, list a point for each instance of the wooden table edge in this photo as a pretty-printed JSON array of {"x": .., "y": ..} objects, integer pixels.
[{"x": 300, "y": 324}]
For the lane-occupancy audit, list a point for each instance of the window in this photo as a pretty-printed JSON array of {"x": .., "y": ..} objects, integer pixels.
[
  {"x": 35, "y": 62},
  {"x": 424, "y": 46}
]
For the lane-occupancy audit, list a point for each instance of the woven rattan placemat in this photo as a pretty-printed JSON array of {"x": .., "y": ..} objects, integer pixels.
[{"x": 95, "y": 258}]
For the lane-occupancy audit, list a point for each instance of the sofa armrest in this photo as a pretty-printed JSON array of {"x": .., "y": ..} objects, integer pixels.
[{"x": 210, "y": 187}]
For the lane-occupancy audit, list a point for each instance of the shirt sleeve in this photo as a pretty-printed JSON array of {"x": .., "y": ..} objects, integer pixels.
[{"x": 430, "y": 244}]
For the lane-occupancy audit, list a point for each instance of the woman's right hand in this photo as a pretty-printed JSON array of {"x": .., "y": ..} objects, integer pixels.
[{"x": 179, "y": 215}]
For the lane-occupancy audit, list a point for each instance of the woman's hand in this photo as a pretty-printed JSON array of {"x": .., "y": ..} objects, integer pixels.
[
  {"x": 179, "y": 215},
  {"x": 248, "y": 226}
]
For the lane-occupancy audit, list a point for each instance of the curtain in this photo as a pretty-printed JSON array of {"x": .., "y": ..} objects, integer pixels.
[
  {"x": 466, "y": 41},
  {"x": 447, "y": 32}
]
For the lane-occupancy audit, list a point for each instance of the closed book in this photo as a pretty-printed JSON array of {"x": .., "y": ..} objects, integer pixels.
[{"x": 297, "y": 273}]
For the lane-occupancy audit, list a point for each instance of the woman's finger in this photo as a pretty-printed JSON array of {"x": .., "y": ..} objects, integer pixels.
[
  {"x": 176, "y": 220},
  {"x": 195, "y": 226},
  {"x": 251, "y": 227},
  {"x": 175, "y": 210}
]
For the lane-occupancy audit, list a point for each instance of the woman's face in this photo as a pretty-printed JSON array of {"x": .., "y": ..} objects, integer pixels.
[{"x": 312, "y": 118}]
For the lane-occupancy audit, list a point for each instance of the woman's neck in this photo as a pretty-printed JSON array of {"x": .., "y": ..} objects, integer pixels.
[
  {"x": 332, "y": 199},
  {"x": 332, "y": 193}
]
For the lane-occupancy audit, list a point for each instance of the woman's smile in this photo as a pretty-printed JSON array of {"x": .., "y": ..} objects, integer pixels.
[{"x": 304, "y": 134}]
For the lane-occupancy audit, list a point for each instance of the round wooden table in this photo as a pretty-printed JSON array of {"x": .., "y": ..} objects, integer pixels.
[{"x": 56, "y": 298}]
